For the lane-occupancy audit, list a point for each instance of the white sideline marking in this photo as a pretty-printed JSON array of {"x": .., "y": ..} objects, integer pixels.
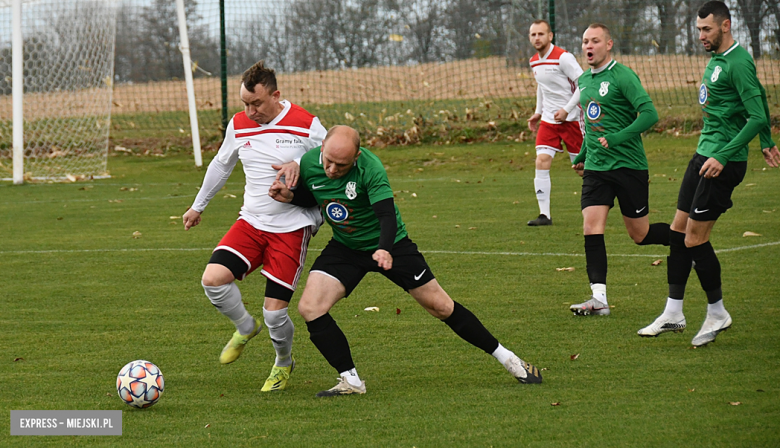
[{"x": 453, "y": 252}]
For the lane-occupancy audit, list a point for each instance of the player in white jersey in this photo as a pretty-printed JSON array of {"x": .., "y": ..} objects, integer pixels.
[
  {"x": 557, "y": 107},
  {"x": 266, "y": 137}
]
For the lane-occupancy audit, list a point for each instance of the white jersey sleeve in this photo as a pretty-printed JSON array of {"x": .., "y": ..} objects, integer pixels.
[
  {"x": 218, "y": 171},
  {"x": 571, "y": 68}
]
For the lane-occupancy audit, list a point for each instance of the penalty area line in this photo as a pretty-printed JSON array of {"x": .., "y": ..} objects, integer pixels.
[{"x": 444, "y": 252}]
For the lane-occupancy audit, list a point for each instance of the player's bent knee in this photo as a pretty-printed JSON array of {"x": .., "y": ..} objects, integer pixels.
[
  {"x": 309, "y": 310},
  {"x": 216, "y": 275}
]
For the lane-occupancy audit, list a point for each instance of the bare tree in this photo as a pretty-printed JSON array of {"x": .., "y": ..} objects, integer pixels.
[
  {"x": 753, "y": 13},
  {"x": 424, "y": 21}
]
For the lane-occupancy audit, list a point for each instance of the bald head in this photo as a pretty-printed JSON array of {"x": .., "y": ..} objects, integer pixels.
[{"x": 340, "y": 150}]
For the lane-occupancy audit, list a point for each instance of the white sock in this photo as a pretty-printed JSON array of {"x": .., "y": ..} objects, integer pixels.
[
  {"x": 502, "y": 354},
  {"x": 352, "y": 377},
  {"x": 572, "y": 157},
  {"x": 716, "y": 309},
  {"x": 543, "y": 185},
  {"x": 281, "y": 331},
  {"x": 227, "y": 299},
  {"x": 599, "y": 292},
  {"x": 673, "y": 306}
]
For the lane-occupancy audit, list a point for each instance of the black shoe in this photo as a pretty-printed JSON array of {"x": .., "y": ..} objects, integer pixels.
[{"x": 542, "y": 220}]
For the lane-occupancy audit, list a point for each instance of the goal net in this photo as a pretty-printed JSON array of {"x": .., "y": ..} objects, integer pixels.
[{"x": 68, "y": 53}]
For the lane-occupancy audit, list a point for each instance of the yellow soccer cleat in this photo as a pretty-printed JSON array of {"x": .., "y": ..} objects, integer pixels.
[
  {"x": 236, "y": 345},
  {"x": 277, "y": 380}
]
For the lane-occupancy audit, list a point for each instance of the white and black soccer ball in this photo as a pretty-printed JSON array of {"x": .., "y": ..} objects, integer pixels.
[{"x": 140, "y": 384}]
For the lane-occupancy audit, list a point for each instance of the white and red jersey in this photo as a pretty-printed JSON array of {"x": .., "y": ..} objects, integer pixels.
[
  {"x": 287, "y": 137},
  {"x": 556, "y": 74}
]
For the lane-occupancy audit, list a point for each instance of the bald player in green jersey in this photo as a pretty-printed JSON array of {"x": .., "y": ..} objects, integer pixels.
[
  {"x": 617, "y": 110},
  {"x": 735, "y": 109},
  {"x": 350, "y": 185}
]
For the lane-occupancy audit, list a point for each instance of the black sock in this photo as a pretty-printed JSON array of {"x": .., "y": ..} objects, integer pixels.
[
  {"x": 657, "y": 234},
  {"x": 596, "y": 258},
  {"x": 466, "y": 325},
  {"x": 707, "y": 266},
  {"x": 714, "y": 296},
  {"x": 678, "y": 265},
  {"x": 331, "y": 342}
]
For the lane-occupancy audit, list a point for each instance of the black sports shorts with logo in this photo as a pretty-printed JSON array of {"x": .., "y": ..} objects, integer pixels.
[
  {"x": 629, "y": 186},
  {"x": 349, "y": 266},
  {"x": 706, "y": 199}
]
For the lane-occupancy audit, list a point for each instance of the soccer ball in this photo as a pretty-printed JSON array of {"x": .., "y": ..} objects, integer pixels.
[{"x": 140, "y": 384}]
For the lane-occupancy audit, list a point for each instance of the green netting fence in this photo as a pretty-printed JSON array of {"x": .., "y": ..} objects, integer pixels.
[{"x": 400, "y": 71}]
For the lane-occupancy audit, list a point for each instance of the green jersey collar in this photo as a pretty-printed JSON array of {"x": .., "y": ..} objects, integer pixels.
[
  {"x": 609, "y": 66},
  {"x": 731, "y": 48}
]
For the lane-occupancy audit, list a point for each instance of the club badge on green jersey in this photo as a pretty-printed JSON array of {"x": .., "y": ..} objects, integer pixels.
[
  {"x": 715, "y": 73},
  {"x": 337, "y": 212},
  {"x": 604, "y": 89},
  {"x": 351, "y": 190},
  {"x": 594, "y": 110},
  {"x": 703, "y": 94}
]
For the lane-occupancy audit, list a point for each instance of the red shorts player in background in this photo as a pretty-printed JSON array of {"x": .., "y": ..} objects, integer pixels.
[{"x": 557, "y": 107}]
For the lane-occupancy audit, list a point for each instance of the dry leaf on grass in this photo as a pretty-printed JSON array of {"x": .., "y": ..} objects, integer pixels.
[
  {"x": 175, "y": 217},
  {"x": 229, "y": 196},
  {"x": 569, "y": 269},
  {"x": 372, "y": 308},
  {"x": 472, "y": 228},
  {"x": 397, "y": 311},
  {"x": 207, "y": 425},
  {"x": 115, "y": 201},
  {"x": 557, "y": 403},
  {"x": 691, "y": 390},
  {"x": 573, "y": 357},
  {"x": 137, "y": 235},
  {"x": 18, "y": 359},
  {"x": 657, "y": 262},
  {"x": 735, "y": 403},
  {"x": 749, "y": 233}
]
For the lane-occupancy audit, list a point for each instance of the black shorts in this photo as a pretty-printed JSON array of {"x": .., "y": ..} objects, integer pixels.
[
  {"x": 629, "y": 186},
  {"x": 349, "y": 266},
  {"x": 706, "y": 199}
]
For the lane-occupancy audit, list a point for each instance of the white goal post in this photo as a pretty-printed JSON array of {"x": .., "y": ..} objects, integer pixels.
[{"x": 56, "y": 99}]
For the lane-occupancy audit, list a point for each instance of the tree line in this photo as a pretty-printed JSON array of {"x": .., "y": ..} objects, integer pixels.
[{"x": 302, "y": 35}]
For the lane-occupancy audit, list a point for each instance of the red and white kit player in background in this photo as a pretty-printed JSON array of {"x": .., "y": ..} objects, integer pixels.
[
  {"x": 557, "y": 106},
  {"x": 268, "y": 134}
]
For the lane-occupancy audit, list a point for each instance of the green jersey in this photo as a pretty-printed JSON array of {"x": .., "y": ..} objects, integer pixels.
[
  {"x": 728, "y": 93},
  {"x": 346, "y": 202},
  {"x": 611, "y": 100}
]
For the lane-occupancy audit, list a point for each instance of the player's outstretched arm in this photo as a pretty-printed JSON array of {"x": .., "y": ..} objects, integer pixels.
[
  {"x": 192, "y": 218},
  {"x": 772, "y": 156}
]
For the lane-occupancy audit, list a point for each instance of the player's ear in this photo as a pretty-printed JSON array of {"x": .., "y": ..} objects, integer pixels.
[
  {"x": 357, "y": 155},
  {"x": 725, "y": 26},
  {"x": 276, "y": 95},
  {"x": 610, "y": 43}
]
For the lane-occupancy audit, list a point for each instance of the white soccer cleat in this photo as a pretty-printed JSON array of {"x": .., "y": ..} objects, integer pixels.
[
  {"x": 664, "y": 324},
  {"x": 710, "y": 329},
  {"x": 343, "y": 388},
  {"x": 591, "y": 307},
  {"x": 522, "y": 371}
]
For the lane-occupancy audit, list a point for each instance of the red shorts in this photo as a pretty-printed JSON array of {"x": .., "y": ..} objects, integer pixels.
[
  {"x": 280, "y": 254},
  {"x": 551, "y": 135}
]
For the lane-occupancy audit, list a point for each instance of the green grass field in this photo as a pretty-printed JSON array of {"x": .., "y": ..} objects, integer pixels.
[{"x": 81, "y": 297}]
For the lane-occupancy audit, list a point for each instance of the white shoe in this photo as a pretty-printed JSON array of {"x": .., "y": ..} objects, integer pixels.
[
  {"x": 522, "y": 371},
  {"x": 664, "y": 324},
  {"x": 343, "y": 388},
  {"x": 710, "y": 329},
  {"x": 591, "y": 307}
]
